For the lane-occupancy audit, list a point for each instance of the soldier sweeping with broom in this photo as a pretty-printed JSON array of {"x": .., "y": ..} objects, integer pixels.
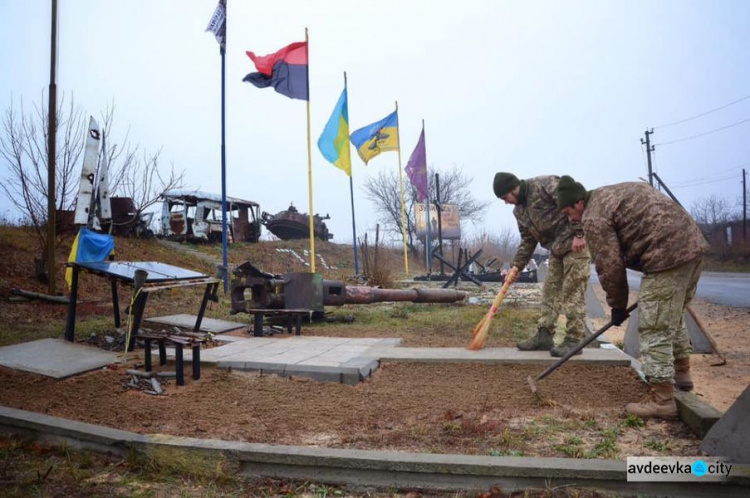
[
  {"x": 541, "y": 222},
  {"x": 631, "y": 225}
]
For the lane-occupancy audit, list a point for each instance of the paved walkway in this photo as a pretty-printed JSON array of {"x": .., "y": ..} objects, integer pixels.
[{"x": 352, "y": 360}]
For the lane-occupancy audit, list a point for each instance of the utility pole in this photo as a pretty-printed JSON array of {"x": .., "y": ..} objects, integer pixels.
[
  {"x": 649, "y": 150},
  {"x": 51, "y": 149},
  {"x": 744, "y": 205}
]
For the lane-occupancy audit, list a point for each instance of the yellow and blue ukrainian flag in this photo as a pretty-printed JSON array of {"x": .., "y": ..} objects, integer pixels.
[
  {"x": 378, "y": 137},
  {"x": 334, "y": 141}
]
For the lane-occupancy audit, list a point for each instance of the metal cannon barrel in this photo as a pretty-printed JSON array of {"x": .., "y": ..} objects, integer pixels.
[{"x": 359, "y": 294}]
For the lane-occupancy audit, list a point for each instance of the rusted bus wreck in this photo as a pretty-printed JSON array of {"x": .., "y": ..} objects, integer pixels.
[{"x": 194, "y": 215}]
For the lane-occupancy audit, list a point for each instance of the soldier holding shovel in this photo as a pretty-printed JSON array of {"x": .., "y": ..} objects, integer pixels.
[{"x": 631, "y": 225}]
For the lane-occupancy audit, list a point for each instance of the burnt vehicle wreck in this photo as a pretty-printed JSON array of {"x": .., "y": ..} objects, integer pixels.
[
  {"x": 197, "y": 216},
  {"x": 290, "y": 224}
]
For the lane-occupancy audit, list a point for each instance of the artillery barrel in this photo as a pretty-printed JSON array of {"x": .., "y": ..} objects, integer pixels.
[{"x": 359, "y": 294}]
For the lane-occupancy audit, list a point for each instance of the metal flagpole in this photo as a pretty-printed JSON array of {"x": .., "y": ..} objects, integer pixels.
[
  {"x": 351, "y": 184},
  {"x": 224, "y": 250},
  {"x": 427, "y": 255},
  {"x": 309, "y": 161},
  {"x": 403, "y": 208}
]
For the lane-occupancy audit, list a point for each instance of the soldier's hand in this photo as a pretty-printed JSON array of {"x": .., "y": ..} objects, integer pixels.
[
  {"x": 579, "y": 244},
  {"x": 618, "y": 316}
]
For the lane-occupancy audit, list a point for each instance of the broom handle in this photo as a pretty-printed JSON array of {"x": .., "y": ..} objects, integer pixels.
[
  {"x": 582, "y": 345},
  {"x": 509, "y": 279}
]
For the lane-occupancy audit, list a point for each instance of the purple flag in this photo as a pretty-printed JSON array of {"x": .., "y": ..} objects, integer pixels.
[{"x": 416, "y": 168}]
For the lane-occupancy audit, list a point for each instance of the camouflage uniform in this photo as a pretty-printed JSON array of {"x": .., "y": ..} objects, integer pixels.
[
  {"x": 631, "y": 225},
  {"x": 540, "y": 221}
]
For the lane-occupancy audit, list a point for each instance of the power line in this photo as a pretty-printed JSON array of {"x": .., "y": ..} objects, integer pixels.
[
  {"x": 711, "y": 176},
  {"x": 703, "y": 113},
  {"x": 704, "y": 182},
  {"x": 705, "y": 133}
]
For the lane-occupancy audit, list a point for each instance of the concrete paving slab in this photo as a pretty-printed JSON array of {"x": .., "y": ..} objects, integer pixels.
[
  {"x": 188, "y": 322},
  {"x": 599, "y": 356},
  {"x": 55, "y": 358},
  {"x": 363, "y": 356}
]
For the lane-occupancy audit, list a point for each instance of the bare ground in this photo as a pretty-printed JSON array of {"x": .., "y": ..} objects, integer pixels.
[{"x": 452, "y": 408}]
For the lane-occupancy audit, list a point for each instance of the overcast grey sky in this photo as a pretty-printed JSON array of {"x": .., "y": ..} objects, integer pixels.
[{"x": 532, "y": 87}]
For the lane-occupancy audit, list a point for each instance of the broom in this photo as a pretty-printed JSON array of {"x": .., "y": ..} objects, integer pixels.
[{"x": 482, "y": 330}]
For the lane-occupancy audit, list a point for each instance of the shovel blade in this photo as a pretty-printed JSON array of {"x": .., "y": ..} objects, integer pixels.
[{"x": 532, "y": 384}]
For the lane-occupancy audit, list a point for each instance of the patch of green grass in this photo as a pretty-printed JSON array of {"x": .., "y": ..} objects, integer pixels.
[
  {"x": 506, "y": 453},
  {"x": 660, "y": 446},
  {"x": 634, "y": 421},
  {"x": 607, "y": 445},
  {"x": 572, "y": 447}
]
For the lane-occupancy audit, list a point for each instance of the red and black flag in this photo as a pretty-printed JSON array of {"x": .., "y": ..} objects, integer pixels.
[{"x": 285, "y": 71}]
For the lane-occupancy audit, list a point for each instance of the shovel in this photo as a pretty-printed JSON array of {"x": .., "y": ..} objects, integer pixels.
[{"x": 586, "y": 342}]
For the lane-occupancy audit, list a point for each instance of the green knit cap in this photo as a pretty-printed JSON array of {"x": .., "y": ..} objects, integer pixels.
[
  {"x": 504, "y": 183},
  {"x": 569, "y": 192}
]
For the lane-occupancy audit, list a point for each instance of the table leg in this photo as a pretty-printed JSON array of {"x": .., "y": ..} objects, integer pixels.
[
  {"x": 179, "y": 366},
  {"x": 298, "y": 324},
  {"x": 139, "y": 307},
  {"x": 115, "y": 303},
  {"x": 147, "y": 354},
  {"x": 206, "y": 295},
  {"x": 162, "y": 353},
  {"x": 289, "y": 323},
  {"x": 196, "y": 362},
  {"x": 70, "y": 325},
  {"x": 258, "y": 325}
]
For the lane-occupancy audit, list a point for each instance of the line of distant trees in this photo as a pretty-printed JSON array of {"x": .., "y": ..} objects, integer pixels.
[{"x": 722, "y": 224}]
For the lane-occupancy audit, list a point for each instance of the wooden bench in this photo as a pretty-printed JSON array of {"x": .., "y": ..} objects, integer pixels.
[{"x": 191, "y": 340}]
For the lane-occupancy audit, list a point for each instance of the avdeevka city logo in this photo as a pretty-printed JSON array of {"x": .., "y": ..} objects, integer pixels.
[{"x": 699, "y": 468}]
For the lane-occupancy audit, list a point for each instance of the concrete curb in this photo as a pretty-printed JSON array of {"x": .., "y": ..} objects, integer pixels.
[
  {"x": 351, "y": 373},
  {"x": 359, "y": 467},
  {"x": 695, "y": 412}
]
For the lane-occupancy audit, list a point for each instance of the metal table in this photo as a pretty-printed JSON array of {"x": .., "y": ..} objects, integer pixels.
[{"x": 158, "y": 276}]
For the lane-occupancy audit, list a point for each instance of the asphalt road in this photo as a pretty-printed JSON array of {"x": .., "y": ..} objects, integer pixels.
[{"x": 726, "y": 289}]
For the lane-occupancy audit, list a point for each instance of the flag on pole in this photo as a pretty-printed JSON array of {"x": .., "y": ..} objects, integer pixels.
[
  {"x": 378, "y": 137},
  {"x": 218, "y": 23},
  {"x": 416, "y": 168},
  {"x": 334, "y": 141},
  {"x": 285, "y": 71}
]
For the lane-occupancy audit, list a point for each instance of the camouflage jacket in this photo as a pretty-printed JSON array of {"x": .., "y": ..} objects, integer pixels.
[
  {"x": 632, "y": 225},
  {"x": 539, "y": 221}
]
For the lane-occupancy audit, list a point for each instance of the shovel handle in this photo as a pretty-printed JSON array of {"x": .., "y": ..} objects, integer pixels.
[{"x": 582, "y": 345}]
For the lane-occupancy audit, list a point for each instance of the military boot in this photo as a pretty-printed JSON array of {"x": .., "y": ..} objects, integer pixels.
[
  {"x": 542, "y": 341},
  {"x": 682, "y": 380},
  {"x": 660, "y": 404},
  {"x": 564, "y": 347}
]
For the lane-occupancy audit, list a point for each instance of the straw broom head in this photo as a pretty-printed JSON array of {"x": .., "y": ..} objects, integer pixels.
[{"x": 482, "y": 330}]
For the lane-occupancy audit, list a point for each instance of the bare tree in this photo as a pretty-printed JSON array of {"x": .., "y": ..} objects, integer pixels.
[
  {"x": 501, "y": 245},
  {"x": 23, "y": 148},
  {"x": 135, "y": 173},
  {"x": 711, "y": 212},
  {"x": 385, "y": 192}
]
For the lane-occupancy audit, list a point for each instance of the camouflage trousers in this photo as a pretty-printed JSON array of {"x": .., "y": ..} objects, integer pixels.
[
  {"x": 663, "y": 334},
  {"x": 564, "y": 293}
]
